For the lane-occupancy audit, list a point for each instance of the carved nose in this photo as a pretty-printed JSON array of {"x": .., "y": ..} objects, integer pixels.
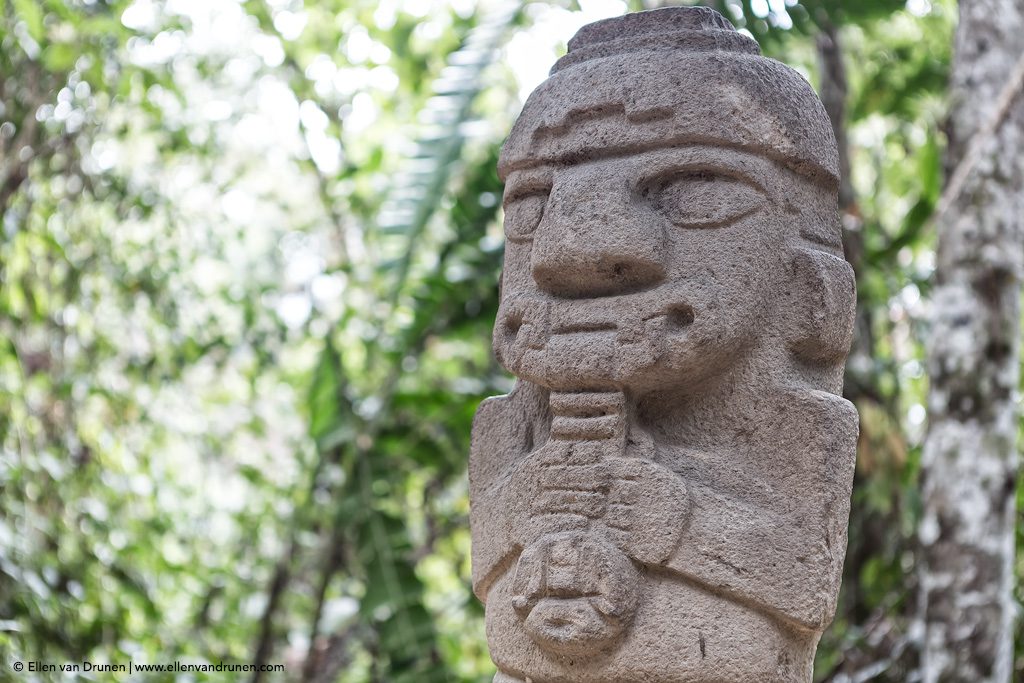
[{"x": 593, "y": 253}]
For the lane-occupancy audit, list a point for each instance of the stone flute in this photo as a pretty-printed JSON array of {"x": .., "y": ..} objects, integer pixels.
[{"x": 664, "y": 495}]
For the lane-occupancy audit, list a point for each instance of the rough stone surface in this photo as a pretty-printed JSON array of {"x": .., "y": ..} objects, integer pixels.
[{"x": 664, "y": 495}]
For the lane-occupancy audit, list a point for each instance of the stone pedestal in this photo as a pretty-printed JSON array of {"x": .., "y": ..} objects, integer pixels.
[{"x": 664, "y": 496}]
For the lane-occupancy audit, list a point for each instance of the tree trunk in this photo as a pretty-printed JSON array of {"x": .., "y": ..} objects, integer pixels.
[{"x": 970, "y": 453}]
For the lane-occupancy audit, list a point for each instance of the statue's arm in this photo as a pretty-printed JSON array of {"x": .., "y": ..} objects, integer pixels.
[
  {"x": 503, "y": 434},
  {"x": 491, "y": 543},
  {"x": 783, "y": 566},
  {"x": 785, "y": 559}
]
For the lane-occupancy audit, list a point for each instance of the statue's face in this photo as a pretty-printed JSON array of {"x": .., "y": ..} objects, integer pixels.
[{"x": 644, "y": 272}]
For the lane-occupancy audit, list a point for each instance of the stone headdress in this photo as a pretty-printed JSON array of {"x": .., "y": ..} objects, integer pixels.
[{"x": 674, "y": 77}]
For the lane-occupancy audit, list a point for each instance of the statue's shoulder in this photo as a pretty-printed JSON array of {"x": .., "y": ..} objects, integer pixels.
[
  {"x": 820, "y": 412},
  {"x": 505, "y": 429},
  {"x": 492, "y": 411}
]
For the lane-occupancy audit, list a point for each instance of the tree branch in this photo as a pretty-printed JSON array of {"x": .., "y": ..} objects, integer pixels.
[{"x": 1014, "y": 86}]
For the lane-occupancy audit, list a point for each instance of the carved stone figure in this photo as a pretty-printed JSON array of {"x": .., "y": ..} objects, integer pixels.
[{"x": 664, "y": 495}]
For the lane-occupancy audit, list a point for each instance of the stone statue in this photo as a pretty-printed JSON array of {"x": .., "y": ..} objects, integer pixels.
[{"x": 664, "y": 495}]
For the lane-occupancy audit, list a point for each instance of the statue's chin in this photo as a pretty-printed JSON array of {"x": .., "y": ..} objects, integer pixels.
[
  {"x": 604, "y": 365},
  {"x": 571, "y": 626},
  {"x": 590, "y": 361}
]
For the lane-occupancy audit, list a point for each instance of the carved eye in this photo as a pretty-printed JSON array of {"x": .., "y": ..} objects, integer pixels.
[
  {"x": 523, "y": 214},
  {"x": 702, "y": 199}
]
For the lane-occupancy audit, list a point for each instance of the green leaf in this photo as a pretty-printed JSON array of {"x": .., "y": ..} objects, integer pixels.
[
  {"x": 31, "y": 12},
  {"x": 60, "y": 57},
  {"x": 327, "y": 410}
]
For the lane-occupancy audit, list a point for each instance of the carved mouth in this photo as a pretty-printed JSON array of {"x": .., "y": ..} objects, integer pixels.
[
  {"x": 599, "y": 339},
  {"x": 678, "y": 316},
  {"x": 550, "y": 319},
  {"x": 584, "y": 328}
]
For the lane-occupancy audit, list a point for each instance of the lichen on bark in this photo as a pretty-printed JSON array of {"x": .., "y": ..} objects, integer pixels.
[{"x": 970, "y": 460}]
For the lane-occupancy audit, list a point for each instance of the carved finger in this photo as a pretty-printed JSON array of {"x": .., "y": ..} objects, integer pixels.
[
  {"x": 534, "y": 527},
  {"x": 587, "y": 503},
  {"x": 581, "y": 477},
  {"x": 626, "y": 492},
  {"x": 554, "y": 453},
  {"x": 621, "y": 516},
  {"x": 587, "y": 453},
  {"x": 627, "y": 468}
]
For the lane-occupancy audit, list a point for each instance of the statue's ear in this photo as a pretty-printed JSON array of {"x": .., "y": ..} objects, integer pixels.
[{"x": 824, "y": 300}]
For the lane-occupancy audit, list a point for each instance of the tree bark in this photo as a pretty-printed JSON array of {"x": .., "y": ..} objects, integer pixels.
[{"x": 970, "y": 453}]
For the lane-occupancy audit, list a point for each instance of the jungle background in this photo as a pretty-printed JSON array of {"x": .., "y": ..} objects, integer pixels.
[{"x": 249, "y": 254}]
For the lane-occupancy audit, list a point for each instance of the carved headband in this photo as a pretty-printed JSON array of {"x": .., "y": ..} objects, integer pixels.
[{"x": 750, "y": 102}]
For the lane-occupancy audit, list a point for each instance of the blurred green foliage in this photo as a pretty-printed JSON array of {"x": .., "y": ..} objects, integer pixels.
[{"x": 248, "y": 269}]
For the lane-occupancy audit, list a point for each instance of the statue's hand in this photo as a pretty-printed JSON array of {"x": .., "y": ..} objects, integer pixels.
[
  {"x": 541, "y": 498},
  {"x": 570, "y": 486},
  {"x": 647, "y": 508},
  {"x": 565, "y": 482}
]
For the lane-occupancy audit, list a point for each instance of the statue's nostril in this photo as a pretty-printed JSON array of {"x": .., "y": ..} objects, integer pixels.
[
  {"x": 680, "y": 316},
  {"x": 513, "y": 323}
]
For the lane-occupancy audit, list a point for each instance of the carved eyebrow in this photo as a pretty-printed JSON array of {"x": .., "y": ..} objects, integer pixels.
[
  {"x": 742, "y": 165},
  {"x": 665, "y": 169},
  {"x": 561, "y": 158},
  {"x": 527, "y": 182}
]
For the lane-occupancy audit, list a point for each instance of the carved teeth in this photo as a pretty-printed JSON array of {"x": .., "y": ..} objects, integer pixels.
[
  {"x": 580, "y": 428},
  {"x": 588, "y": 403},
  {"x": 587, "y": 415}
]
